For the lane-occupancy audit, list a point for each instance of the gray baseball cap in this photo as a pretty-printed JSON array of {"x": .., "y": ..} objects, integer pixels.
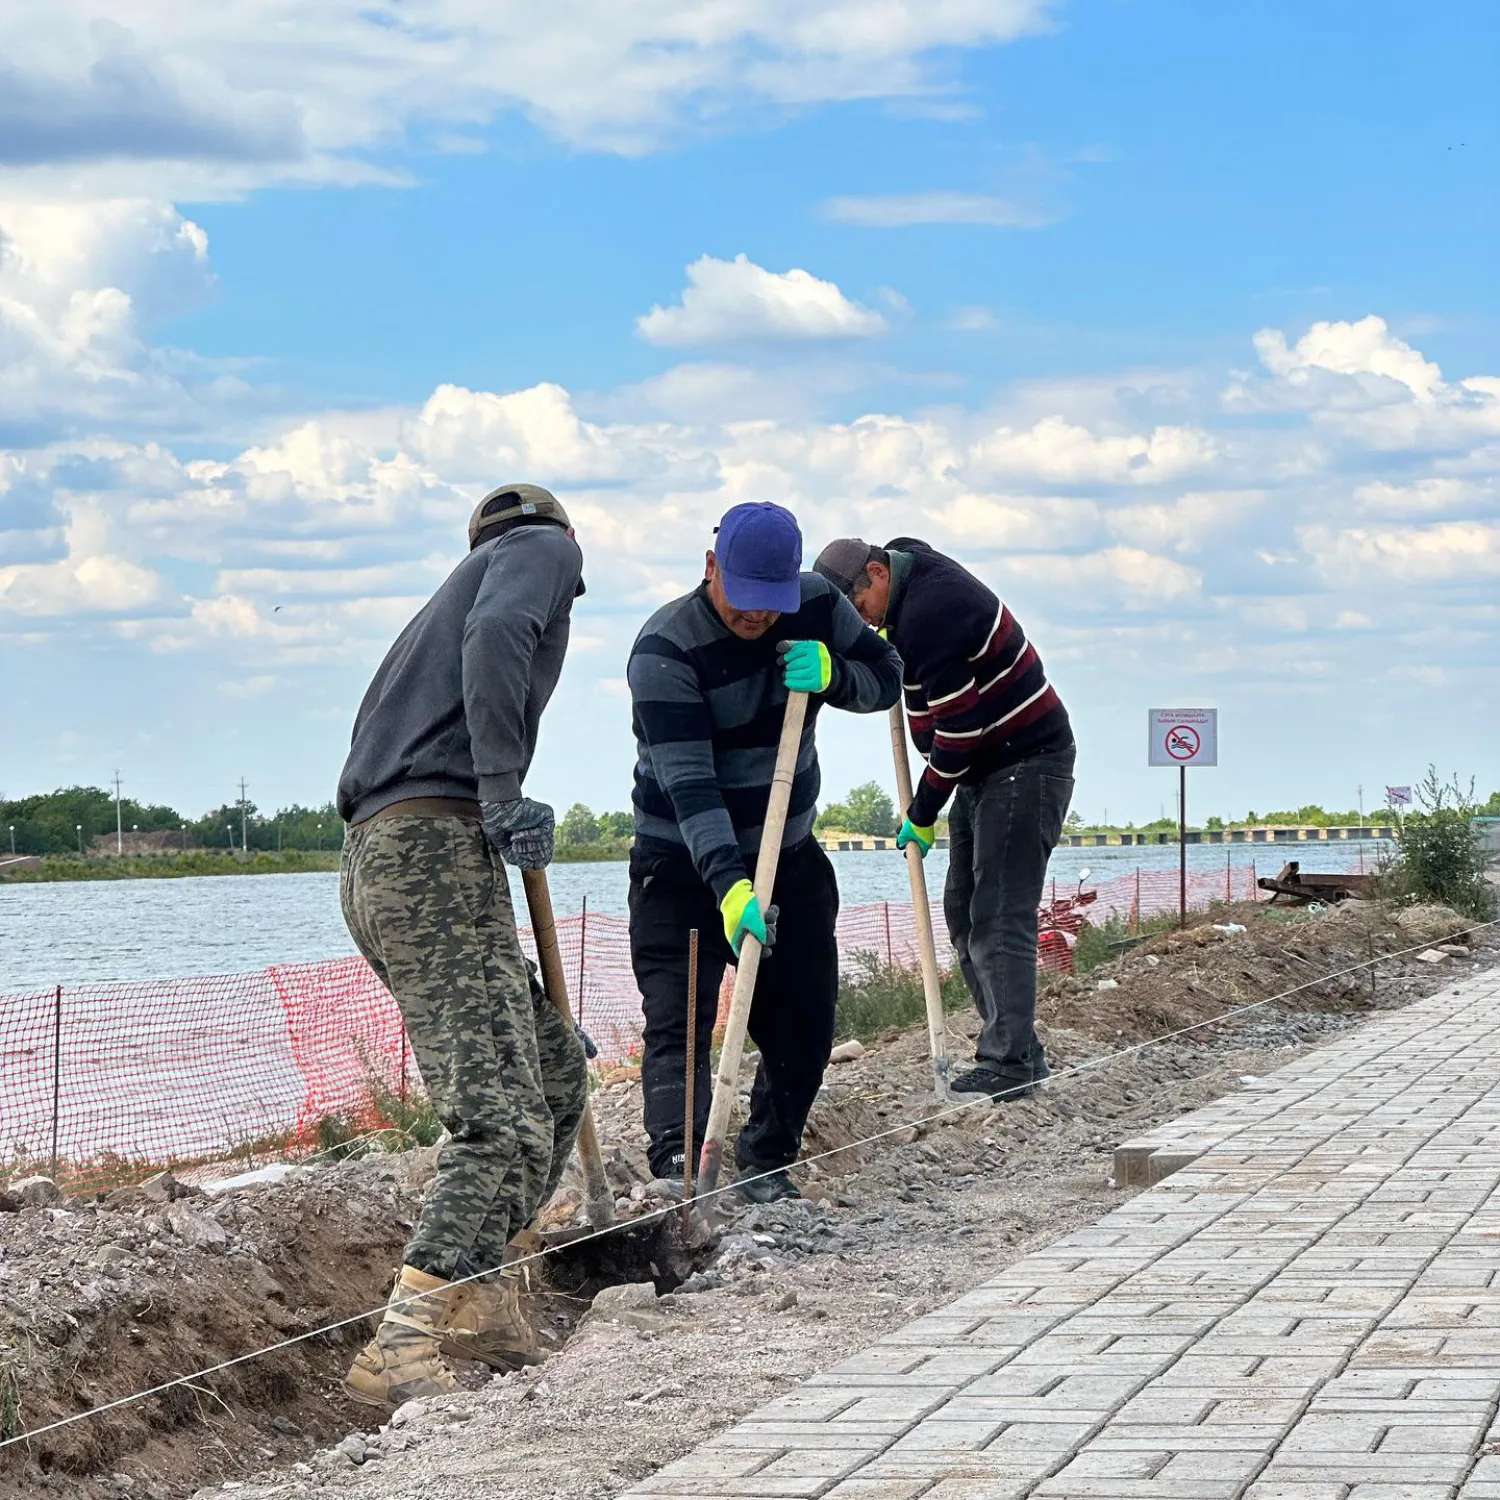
[{"x": 842, "y": 562}]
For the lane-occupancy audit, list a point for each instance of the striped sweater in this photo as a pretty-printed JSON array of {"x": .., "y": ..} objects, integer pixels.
[
  {"x": 707, "y": 710},
  {"x": 976, "y": 694}
]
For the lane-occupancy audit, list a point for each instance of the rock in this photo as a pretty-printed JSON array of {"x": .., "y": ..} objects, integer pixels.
[
  {"x": 9, "y": 1203},
  {"x": 353, "y": 1448},
  {"x": 1454, "y": 950},
  {"x": 35, "y": 1192},
  {"x": 162, "y": 1188},
  {"x": 196, "y": 1229},
  {"x": 633, "y": 1296},
  {"x": 785, "y": 1302},
  {"x": 1108, "y": 984},
  {"x": 1431, "y": 956},
  {"x": 109, "y": 1255},
  {"x": 269, "y": 1175},
  {"x": 701, "y": 1281},
  {"x": 847, "y": 1052}
]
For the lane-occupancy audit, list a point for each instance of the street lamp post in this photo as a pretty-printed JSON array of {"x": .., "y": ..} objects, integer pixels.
[
  {"x": 12, "y": 838},
  {"x": 320, "y": 836},
  {"x": 78, "y": 829}
]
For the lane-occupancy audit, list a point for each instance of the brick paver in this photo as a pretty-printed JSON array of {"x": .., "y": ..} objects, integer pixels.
[{"x": 1304, "y": 1310}]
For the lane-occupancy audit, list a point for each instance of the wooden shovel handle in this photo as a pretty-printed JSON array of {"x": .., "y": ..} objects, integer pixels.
[{"x": 601, "y": 1203}]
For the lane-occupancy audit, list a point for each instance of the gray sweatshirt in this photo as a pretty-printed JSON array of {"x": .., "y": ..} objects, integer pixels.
[{"x": 455, "y": 707}]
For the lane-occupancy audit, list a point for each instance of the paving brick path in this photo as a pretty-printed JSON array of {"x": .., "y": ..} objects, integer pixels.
[{"x": 1304, "y": 1312}]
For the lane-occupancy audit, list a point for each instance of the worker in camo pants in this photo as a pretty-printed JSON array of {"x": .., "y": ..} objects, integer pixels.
[{"x": 432, "y": 793}]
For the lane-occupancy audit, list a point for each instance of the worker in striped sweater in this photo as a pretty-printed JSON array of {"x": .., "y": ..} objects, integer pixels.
[
  {"x": 709, "y": 676},
  {"x": 997, "y": 740}
]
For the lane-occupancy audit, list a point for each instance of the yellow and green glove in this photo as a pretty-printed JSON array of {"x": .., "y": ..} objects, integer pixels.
[
  {"x": 923, "y": 838},
  {"x": 806, "y": 666},
  {"x": 741, "y": 911}
]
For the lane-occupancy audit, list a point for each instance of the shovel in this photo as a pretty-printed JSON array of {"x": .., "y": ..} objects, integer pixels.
[
  {"x": 597, "y": 1194},
  {"x": 932, "y": 992},
  {"x": 727, "y": 1081}
]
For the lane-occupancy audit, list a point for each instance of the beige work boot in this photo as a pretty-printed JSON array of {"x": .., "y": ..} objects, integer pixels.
[
  {"x": 404, "y": 1360},
  {"x": 491, "y": 1326}
]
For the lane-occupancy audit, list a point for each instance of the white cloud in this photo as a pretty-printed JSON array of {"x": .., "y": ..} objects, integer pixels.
[
  {"x": 1058, "y": 450},
  {"x": 81, "y": 284},
  {"x": 191, "y": 100},
  {"x": 736, "y": 300},
  {"x": 95, "y": 584},
  {"x": 1449, "y": 552},
  {"x": 972, "y": 320},
  {"x": 1367, "y": 347},
  {"x": 898, "y": 210}
]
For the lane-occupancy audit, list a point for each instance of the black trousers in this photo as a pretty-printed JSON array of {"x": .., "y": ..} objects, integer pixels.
[
  {"x": 1001, "y": 833},
  {"x": 791, "y": 1016}
]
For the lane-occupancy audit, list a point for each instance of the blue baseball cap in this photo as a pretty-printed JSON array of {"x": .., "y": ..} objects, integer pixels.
[{"x": 759, "y": 552}]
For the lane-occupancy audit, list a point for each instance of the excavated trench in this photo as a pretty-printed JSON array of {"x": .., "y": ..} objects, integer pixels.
[{"x": 105, "y": 1297}]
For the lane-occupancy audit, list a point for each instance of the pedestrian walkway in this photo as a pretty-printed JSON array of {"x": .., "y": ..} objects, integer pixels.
[{"x": 1304, "y": 1311}]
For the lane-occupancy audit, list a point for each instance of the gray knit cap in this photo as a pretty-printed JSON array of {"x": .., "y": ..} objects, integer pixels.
[{"x": 842, "y": 562}]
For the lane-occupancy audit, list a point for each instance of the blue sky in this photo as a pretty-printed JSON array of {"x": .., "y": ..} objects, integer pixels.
[{"x": 1177, "y": 322}]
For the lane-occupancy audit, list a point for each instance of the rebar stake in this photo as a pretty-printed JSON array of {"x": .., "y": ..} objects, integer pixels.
[{"x": 692, "y": 1069}]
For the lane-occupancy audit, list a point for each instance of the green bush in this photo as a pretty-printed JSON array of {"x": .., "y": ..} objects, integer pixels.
[
  {"x": 886, "y": 997},
  {"x": 1439, "y": 857}
]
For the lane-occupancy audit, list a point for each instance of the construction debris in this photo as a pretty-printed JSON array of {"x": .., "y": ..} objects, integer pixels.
[{"x": 1300, "y": 887}]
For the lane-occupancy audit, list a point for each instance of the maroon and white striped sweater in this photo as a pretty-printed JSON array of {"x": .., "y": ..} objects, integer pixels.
[{"x": 976, "y": 695}]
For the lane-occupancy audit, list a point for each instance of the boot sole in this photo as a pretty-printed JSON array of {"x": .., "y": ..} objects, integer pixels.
[
  {"x": 508, "y": 1362},
  {"x": 366, "y": 1398}
]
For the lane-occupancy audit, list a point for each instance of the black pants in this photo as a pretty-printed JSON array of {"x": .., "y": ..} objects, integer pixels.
[
  {"x": 1001, "y": 833},
  {"x": 791, "y": 1017}
]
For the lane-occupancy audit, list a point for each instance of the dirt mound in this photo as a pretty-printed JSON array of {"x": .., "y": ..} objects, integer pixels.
[
  {"x": 104, "y": 1297},
  {"x": 1337, "y": 959}
]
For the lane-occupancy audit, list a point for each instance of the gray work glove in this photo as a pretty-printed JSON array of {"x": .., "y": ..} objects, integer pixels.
[{"x": 521, "y": 830}]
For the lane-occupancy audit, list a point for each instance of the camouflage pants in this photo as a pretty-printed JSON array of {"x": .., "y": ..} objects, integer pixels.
[{"x": 428, "y": 902}]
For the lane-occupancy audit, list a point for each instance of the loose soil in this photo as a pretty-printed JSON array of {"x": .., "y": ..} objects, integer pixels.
[{"x": 101, "y": 1297}]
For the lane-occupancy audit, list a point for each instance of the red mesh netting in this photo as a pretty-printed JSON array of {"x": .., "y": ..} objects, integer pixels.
[{"x": 116, "y": 1078}]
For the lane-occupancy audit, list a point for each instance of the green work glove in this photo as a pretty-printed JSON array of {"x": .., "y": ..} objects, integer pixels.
[
  {"x": 923, "y": 838},
  {"x": 806, "y": 666},
  {"x": 741, "y": 911}
]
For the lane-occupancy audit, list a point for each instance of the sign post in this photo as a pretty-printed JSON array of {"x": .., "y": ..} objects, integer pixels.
[
  {"x": 1183, "y": 737},
  {"x": 1399, "y": 797}
]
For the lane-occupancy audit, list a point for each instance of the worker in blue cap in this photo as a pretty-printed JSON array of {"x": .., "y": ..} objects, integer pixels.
[{"x": 709, "y": 676}]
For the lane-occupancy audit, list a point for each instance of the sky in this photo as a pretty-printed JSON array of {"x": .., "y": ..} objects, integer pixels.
[{"x": 1177, "y": 323}]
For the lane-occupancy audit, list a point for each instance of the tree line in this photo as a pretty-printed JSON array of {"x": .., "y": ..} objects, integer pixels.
[{"x": 70, "y": 819}]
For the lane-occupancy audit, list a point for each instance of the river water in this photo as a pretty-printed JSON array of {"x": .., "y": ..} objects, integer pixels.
[{"x": 69, "y": 932}]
